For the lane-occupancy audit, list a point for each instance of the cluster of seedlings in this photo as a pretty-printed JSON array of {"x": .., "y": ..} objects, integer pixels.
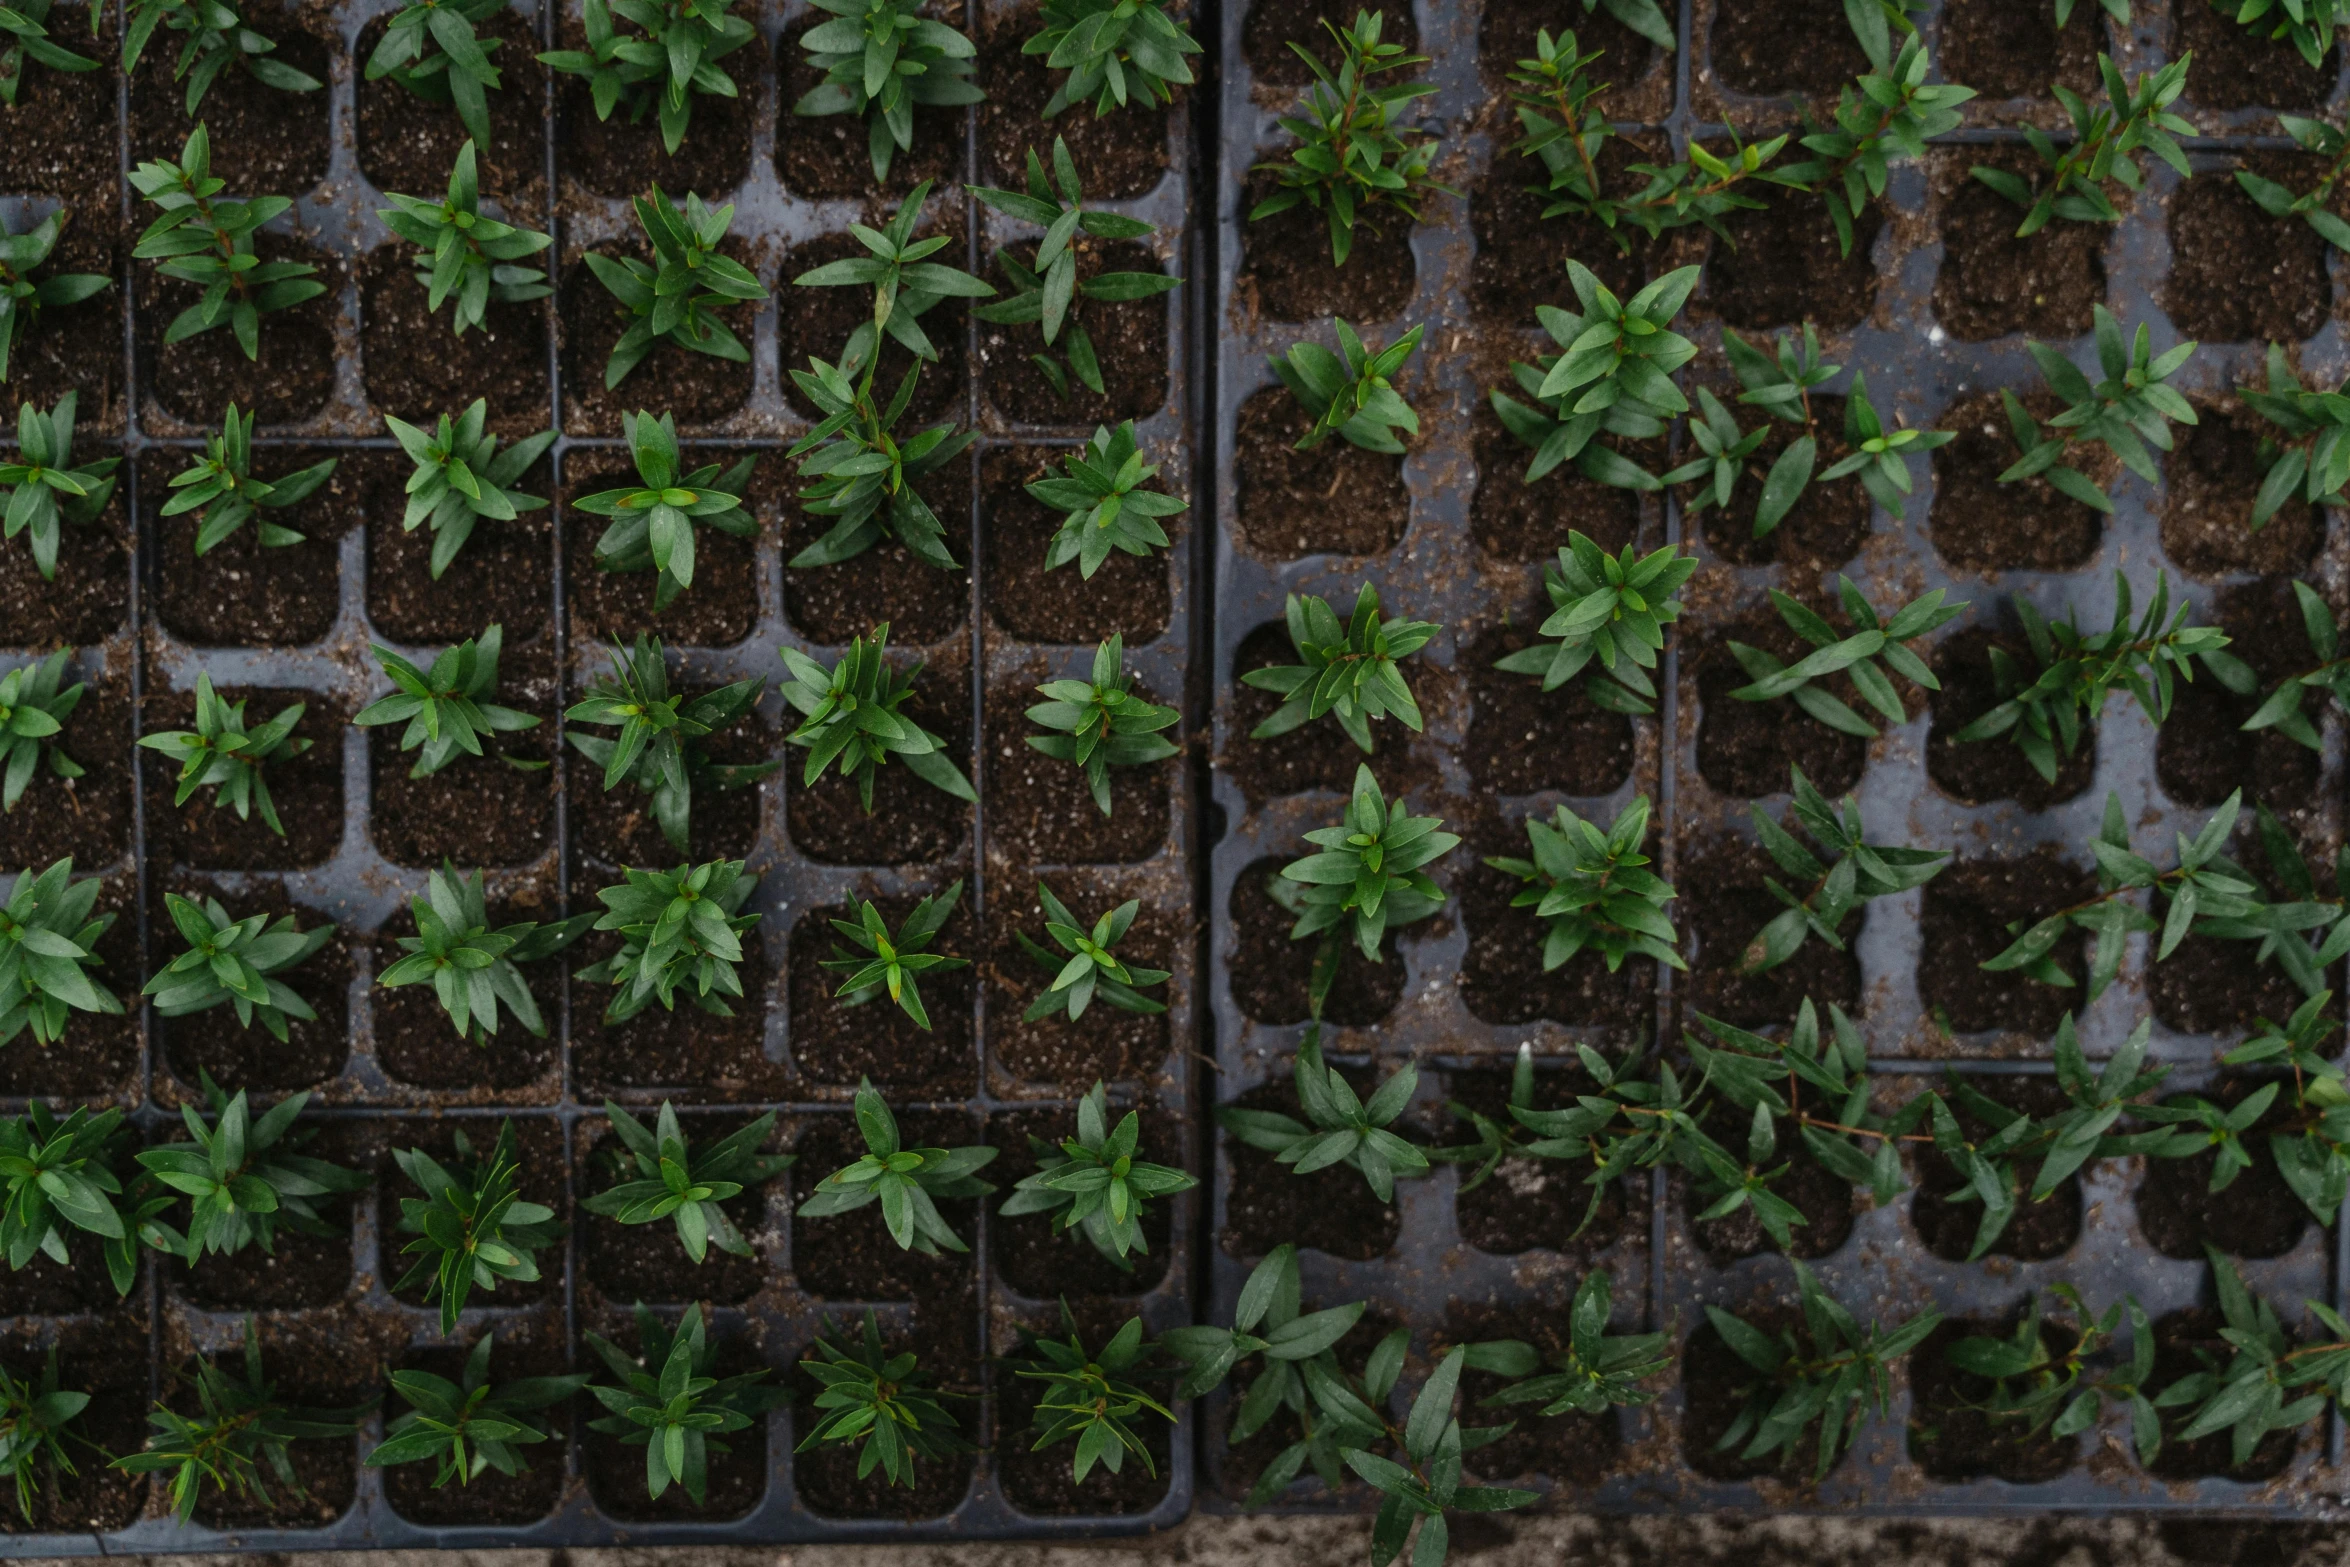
[
  {"x": 1587, "y": 407},
  {"x": 240, "y": 1176}
]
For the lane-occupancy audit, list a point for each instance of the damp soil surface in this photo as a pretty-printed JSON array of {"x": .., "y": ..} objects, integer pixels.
[
  {"x": 1269, "y": 972},
  {"x": 1991, "y": 283},
  {"x": 1724, "y": 904},
  {"x": 1330, "y": 1210},
  {"x": 836, "y": 1043},
  {"x": 1334, "y": 498},
  {"x": 1952, "y": 1437},
  {"x": 2210, "y": 483},
  {"x": 924, "y": 604},
  {"x": 1527, "y": 1204},
  {"x": 1513, "y": 519},
  {"x": 1980, "y": 771},
  {"x": 1714, "y": 1387},
  {"x": 241, "y": 592},
  {"x": 89, "y": 598},
  {"x": 1745, "y": 749},
  {"x": 1524, "y": 740},
  {"x": 2254, "y": 1215},
  {"x": 253, "y": 1058},
  {"x": 1502, "y": 978},
  {"x": 1041, "y": 809},
  {"x": 2237, "y": 274},
  {"x": 1973, "y": 911},
  {"x": 85, "y": 819},
  {"x": 306, "y": 788},
  {"x": 2039, "y": 1230},
  {"x": 1571, "y": 1449},
  {"x": 1129, "y": 596},
  {"x": 1119, "y": 155},
  {"x": 1286, "y": 273},
  {"x": 1128, "y": 338},
  {"x": 2187, "y": 1342},
  {"x": 2202, "y": 753},
  {"x": 1980, "y": 524}
]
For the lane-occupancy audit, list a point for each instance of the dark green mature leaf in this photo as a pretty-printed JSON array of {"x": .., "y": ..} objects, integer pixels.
[
  {"x": 22, "y": 300},
  {"x": 878, "y": 961},
  {"x": 905, "y": 1181},
  {"x": 1610, "y": 607},
  {"x": 1590, "y": 889},
  {"x": 203, "y": 240},
  {"x": 462, "y": 253},
  {"x": 658, "y": 748},
  {"x": 680, "y": 935},
  {"x": 1347, "y": 670},
  {"x": 2105, "y": 142},
  {"x": 1340, "y": 1127},
  {"x": 1873, "y": 639},
  {"x": 880, "y": 59},
  {"x": 1853, "y": 873},
  {"x": 880, "y": 1403}
]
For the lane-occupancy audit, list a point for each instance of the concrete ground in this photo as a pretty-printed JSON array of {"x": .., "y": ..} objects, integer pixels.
[{"x": 1540, "y": 1542}]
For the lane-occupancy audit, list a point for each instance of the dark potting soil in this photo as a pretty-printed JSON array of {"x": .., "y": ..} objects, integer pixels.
[
  {"x": 303, "y": 1271},
  {"x": 1515, "y": 520},
  {"x": 1981, "y": 771},
  {"x": 835, "y": 604},
  {"x": 99, "y": 1056},
  {"x": 264, "y": 141},
  {"x": 1130, "y": 594},
  {"x": 502, "y": 577},
  {"x": 1827, "y": 526},
  {"x": 2209, "y": 986},
  {"x": 1523, "y": 739},
  {"x": 2004, "y": 48},
  {"x": 107, "y": 1359},
  {"x": 90, "y": 597},
  {"x": 1781, "y": 49},
  {"x": 1992, "y": 284},
  {"x": 2202, "y": 753},
  {"x": 717, "y": 1057},
  {"x": 816, "y": 323},
  {"x": 490, "y": 1497},
  {"x": 416, "y": 1043},
  {"x": 1784, "y": 265},
  {"x": 291, "y": 379},
  {"x": 1039, "y": 1482},
  {"x": 627, "y": 1263},
  {"x": 1030, "y": 1256},
  {"x": 1119, "y": 155},
  {"x": 86, "y": 819},
  {"x": 503, "y": 360},
  {"x": 1270, "y": 972},
  {"x": 1972, "y": 912},
  {"x": 2040, "y": 1230},
  {"x": 409, "y": 145},
  {"x": 1286, "y": 273},
  {"x": 1530, "y": 1203},
  {"x": 2237, "y": 274},
  {"x": 616, "y": 825},
  {"x": 1745, "y": 749},
  {"x": 2209, "y": 485},
  {"x": 851, "y": 1257},
  {"x": 1040, "y": 810},
  {"x": 618, "y": 158},
  {"x": 1272, "y": 28},
  {"x": 78, "y": 347},
  {"x": 737, "y": 1476},
  {"x": 832, "y": 1042},
  {"x": 1316, "y": 755},
  {"x": 477, "y": 811},
  {"x": 2254, "y": 1215},
  {"x": 240, "y": 592},
  {"x": 253, "y": 1058},
  {"x": 60, "y": 132},
  {"x": 1336, "y": 498},
  {"x": 1714, "y": 1387},
  {"x": 695, "y": 388},
  {"x": 721, "y": 605},
  {"x": 497, "y": 808},
  {"x": 1522, "y": 256},
  {"x": 829, "y": 157},
  {"x": 306, "y": 788},
  {"x": 1572, "y": 1449},
  {"x": 1502, "y": 979},
  {"x": 1329, "y": 1210},
  {"x": 1952, "y": 1437},
  {"x": 2238, "y": 67},
  {"x": 1980, "y": 524},
  {"x": 1106, "y": 1044},
  {"x": 44, "y": 1288},
  {"x": 911, "y": 823},
  {"x": 1825, "y": 1200},
  {"x": 1725, "y": 905},
  {"x": 2186, "y": 1342},
  {"x": 1129, "y": 339}
]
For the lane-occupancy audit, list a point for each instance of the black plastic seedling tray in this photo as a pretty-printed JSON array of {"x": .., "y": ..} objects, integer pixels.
[
  {"x": 1460, "y": 548},
  {"x": 974, "y": 1086},
  {"x": 1456, "y": 560}
]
